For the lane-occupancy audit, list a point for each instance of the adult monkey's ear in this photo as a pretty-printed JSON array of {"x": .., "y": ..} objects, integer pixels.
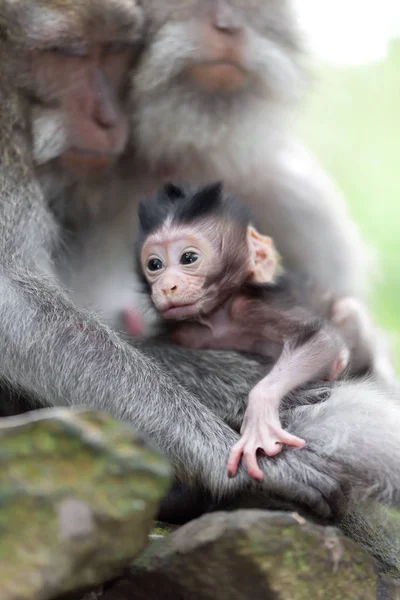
[{"x": 264, "y": 257}]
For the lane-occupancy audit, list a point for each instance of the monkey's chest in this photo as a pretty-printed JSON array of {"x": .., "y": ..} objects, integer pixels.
[
  {"x": 242, "y": 335},
  {"x": 95, "y": 263}
]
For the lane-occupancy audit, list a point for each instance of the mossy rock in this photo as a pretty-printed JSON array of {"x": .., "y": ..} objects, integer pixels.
[
  {"x": 251, "y": 554},
  {"x": 78, "y": 495}
]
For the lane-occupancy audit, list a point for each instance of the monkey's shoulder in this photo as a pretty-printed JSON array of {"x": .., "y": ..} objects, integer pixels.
[{"x": 289, "y": 290}]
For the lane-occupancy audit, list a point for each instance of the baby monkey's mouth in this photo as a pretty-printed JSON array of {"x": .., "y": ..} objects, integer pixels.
[{"x": 180, "y": 311}]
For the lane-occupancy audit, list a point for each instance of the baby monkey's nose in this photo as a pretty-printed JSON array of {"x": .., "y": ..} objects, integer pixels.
[{"x": 169, "y": 290}]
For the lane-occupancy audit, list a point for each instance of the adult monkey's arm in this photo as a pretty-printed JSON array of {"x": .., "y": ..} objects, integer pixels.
[{"x": 342, "y": 423}]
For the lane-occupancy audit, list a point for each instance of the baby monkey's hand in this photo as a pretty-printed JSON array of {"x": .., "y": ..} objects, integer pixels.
[
  {"x": 133, "y": 321},
  {"x": 261, "y": 430}
]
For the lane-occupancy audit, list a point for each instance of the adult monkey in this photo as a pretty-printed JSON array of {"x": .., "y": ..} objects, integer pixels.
[
  {"x": 62, "y": 354},
  {"x": 213, "y": 97}
]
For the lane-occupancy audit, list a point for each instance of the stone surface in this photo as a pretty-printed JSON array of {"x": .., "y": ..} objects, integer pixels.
[
  {"x": 78, "y": 492},
  {"x": 387, "y": 589},
  {"x": 250, "y": 554}
]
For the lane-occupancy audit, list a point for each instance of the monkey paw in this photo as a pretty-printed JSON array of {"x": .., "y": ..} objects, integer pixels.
[
  {"x": 256, "y": 436},
  {"x": 339, "y": 365},
  {"x": 353, "y": 318},
  {"x": 133, "y": 321}
]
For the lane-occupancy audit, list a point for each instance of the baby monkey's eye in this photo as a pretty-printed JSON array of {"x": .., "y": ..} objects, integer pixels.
[
  {"x": 154, "y": 264},
  {"x": 188, "y": 258}
]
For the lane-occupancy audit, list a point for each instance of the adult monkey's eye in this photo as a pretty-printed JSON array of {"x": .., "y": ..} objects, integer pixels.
[
  {"x": 118, "y": 47},
  {"x": 74, "y": 49},
  {"x": 189, "y": 258},
  {"x": 154, "y": 264}
]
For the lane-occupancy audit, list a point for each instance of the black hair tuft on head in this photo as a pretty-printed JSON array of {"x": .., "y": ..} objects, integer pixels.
[
  {"x": 145, "y": 220},
  {"x": 204, "y": 201},
  {"x": 154, "y": 211},
  {"x": 173, "y": 192},
  {"x": 185, "y": 203}
]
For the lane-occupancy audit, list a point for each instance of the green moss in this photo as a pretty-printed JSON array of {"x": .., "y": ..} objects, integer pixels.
[{"x": 91, "y": 459}]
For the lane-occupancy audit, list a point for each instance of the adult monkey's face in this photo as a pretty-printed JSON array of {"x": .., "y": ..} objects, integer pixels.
[
  {"x": 206, "y": 63},
  {"x": 76, "y": 60}
]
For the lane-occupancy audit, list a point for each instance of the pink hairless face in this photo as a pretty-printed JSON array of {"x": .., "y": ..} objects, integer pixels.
[
  {"x": 177, "y": 260},
  {"x": 176, "y": 263}
]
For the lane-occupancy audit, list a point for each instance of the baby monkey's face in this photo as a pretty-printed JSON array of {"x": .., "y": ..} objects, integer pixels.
[
  {"x": 190, "y": 269},
  {"x": 176, "y": 268}
]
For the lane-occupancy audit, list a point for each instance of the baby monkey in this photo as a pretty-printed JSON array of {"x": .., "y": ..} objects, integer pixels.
[{"x": 220, "y": 285}]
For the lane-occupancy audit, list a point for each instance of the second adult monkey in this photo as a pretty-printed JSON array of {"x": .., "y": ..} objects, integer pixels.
[
  {"x": 217, "y": 279},
  {"x": 212, "y": 99}
]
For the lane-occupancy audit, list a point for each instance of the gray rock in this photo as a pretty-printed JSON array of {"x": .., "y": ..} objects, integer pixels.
[
  {"x": 250, "y": 555},
  {"x": 78, "y": 493},
  {"x": 387, "y": 588}
]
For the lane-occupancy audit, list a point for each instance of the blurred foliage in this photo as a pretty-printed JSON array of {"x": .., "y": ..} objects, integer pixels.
[{"x": 353, "y": 125}]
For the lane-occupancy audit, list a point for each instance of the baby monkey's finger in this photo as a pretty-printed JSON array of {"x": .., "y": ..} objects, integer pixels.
[
  {"x": 250, "y": 460},
  {"x": 290, "y": 440},
  {"x": 234, "y": 458},
  {"x": 271, "y": 446}
]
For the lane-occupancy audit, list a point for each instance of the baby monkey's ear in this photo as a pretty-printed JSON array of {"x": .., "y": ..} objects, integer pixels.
[{"x": 264, "y": 257}]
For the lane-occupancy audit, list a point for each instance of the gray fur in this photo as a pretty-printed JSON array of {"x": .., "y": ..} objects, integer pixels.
[
  {"x": 56, "y": 348},
  {"x": 332, "y": 444}
]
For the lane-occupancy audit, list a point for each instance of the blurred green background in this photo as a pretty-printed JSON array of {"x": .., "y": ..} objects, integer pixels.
[{"x": 353, "y": 125}]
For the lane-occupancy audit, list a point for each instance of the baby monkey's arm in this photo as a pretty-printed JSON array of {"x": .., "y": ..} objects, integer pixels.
[
  {"x": 317, "y": 351},
  {"x": 312, "y": 348}
]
